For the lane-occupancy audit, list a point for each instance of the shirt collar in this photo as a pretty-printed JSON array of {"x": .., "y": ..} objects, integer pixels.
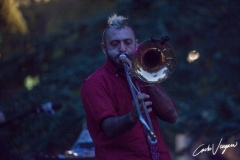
[{"x": 111, "y": 68}]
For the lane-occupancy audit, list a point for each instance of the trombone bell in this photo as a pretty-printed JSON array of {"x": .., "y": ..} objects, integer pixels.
[{"x": 154, "y": 62}]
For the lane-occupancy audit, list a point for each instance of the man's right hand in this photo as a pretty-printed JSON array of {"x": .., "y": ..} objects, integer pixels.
[{"x": 141, "y": 97}]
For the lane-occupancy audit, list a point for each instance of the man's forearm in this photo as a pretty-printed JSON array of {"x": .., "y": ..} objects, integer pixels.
[
  {"x": 116, "y": 126},
  {"x": 163, "y": 105}
]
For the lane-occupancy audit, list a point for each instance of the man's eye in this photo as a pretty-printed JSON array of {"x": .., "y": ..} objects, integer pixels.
[
  {"x": 114, "y": 43},
  {"x": 128, "y": 42}
]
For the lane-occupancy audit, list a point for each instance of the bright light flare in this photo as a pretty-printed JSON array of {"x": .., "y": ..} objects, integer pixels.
[
  {"x": 45, "y": 1},
  {"x": 30, "y": 82},
  {"x": 192, "y": 56}
]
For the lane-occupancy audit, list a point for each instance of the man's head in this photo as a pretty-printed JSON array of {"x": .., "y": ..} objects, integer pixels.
[{"x": 117, "y": 38}]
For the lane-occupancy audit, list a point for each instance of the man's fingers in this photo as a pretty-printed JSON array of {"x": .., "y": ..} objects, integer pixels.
[
  {"x": 148, "y": 103},
  {"x": 149, "y": 110},
  {"x": 142, "y": 96}
]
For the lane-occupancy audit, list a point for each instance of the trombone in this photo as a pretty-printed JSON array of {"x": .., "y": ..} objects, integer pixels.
[{"x": 153, "y": 61}]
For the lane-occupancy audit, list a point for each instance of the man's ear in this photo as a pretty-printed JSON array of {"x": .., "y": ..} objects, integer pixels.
[{"x": 103, "y": 47}]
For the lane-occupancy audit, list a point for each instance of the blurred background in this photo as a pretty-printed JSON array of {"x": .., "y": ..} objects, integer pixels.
[{"x": 48, "y": 47}]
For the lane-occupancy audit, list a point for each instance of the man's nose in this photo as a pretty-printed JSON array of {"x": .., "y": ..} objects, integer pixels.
[{"x": 122, "y": 47}]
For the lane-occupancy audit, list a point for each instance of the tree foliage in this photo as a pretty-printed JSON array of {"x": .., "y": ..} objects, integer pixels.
[{"x": 11, "y": 17}]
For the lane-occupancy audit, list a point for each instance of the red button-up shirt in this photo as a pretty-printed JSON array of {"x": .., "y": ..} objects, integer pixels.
[{"x": 106, "y": 94}]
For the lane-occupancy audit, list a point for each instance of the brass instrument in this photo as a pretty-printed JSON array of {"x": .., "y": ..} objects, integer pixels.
[{"x": 153, "y": 61}]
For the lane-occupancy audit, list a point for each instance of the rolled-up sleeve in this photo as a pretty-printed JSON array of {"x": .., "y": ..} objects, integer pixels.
[{"x": 97, "y": 102}]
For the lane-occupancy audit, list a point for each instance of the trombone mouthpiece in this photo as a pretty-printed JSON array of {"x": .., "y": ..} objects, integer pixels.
[{"x": 122, "y": 56}]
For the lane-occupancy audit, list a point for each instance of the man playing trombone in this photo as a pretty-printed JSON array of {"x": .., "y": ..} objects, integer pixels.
[{"x": 112, "y": 117}]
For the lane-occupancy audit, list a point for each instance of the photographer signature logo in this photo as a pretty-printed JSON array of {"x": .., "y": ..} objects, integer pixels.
[{"x": 214, "y": 151}]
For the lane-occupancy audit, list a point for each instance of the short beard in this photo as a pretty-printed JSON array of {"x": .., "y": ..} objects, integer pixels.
[{"x": 119, "y": 66}]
